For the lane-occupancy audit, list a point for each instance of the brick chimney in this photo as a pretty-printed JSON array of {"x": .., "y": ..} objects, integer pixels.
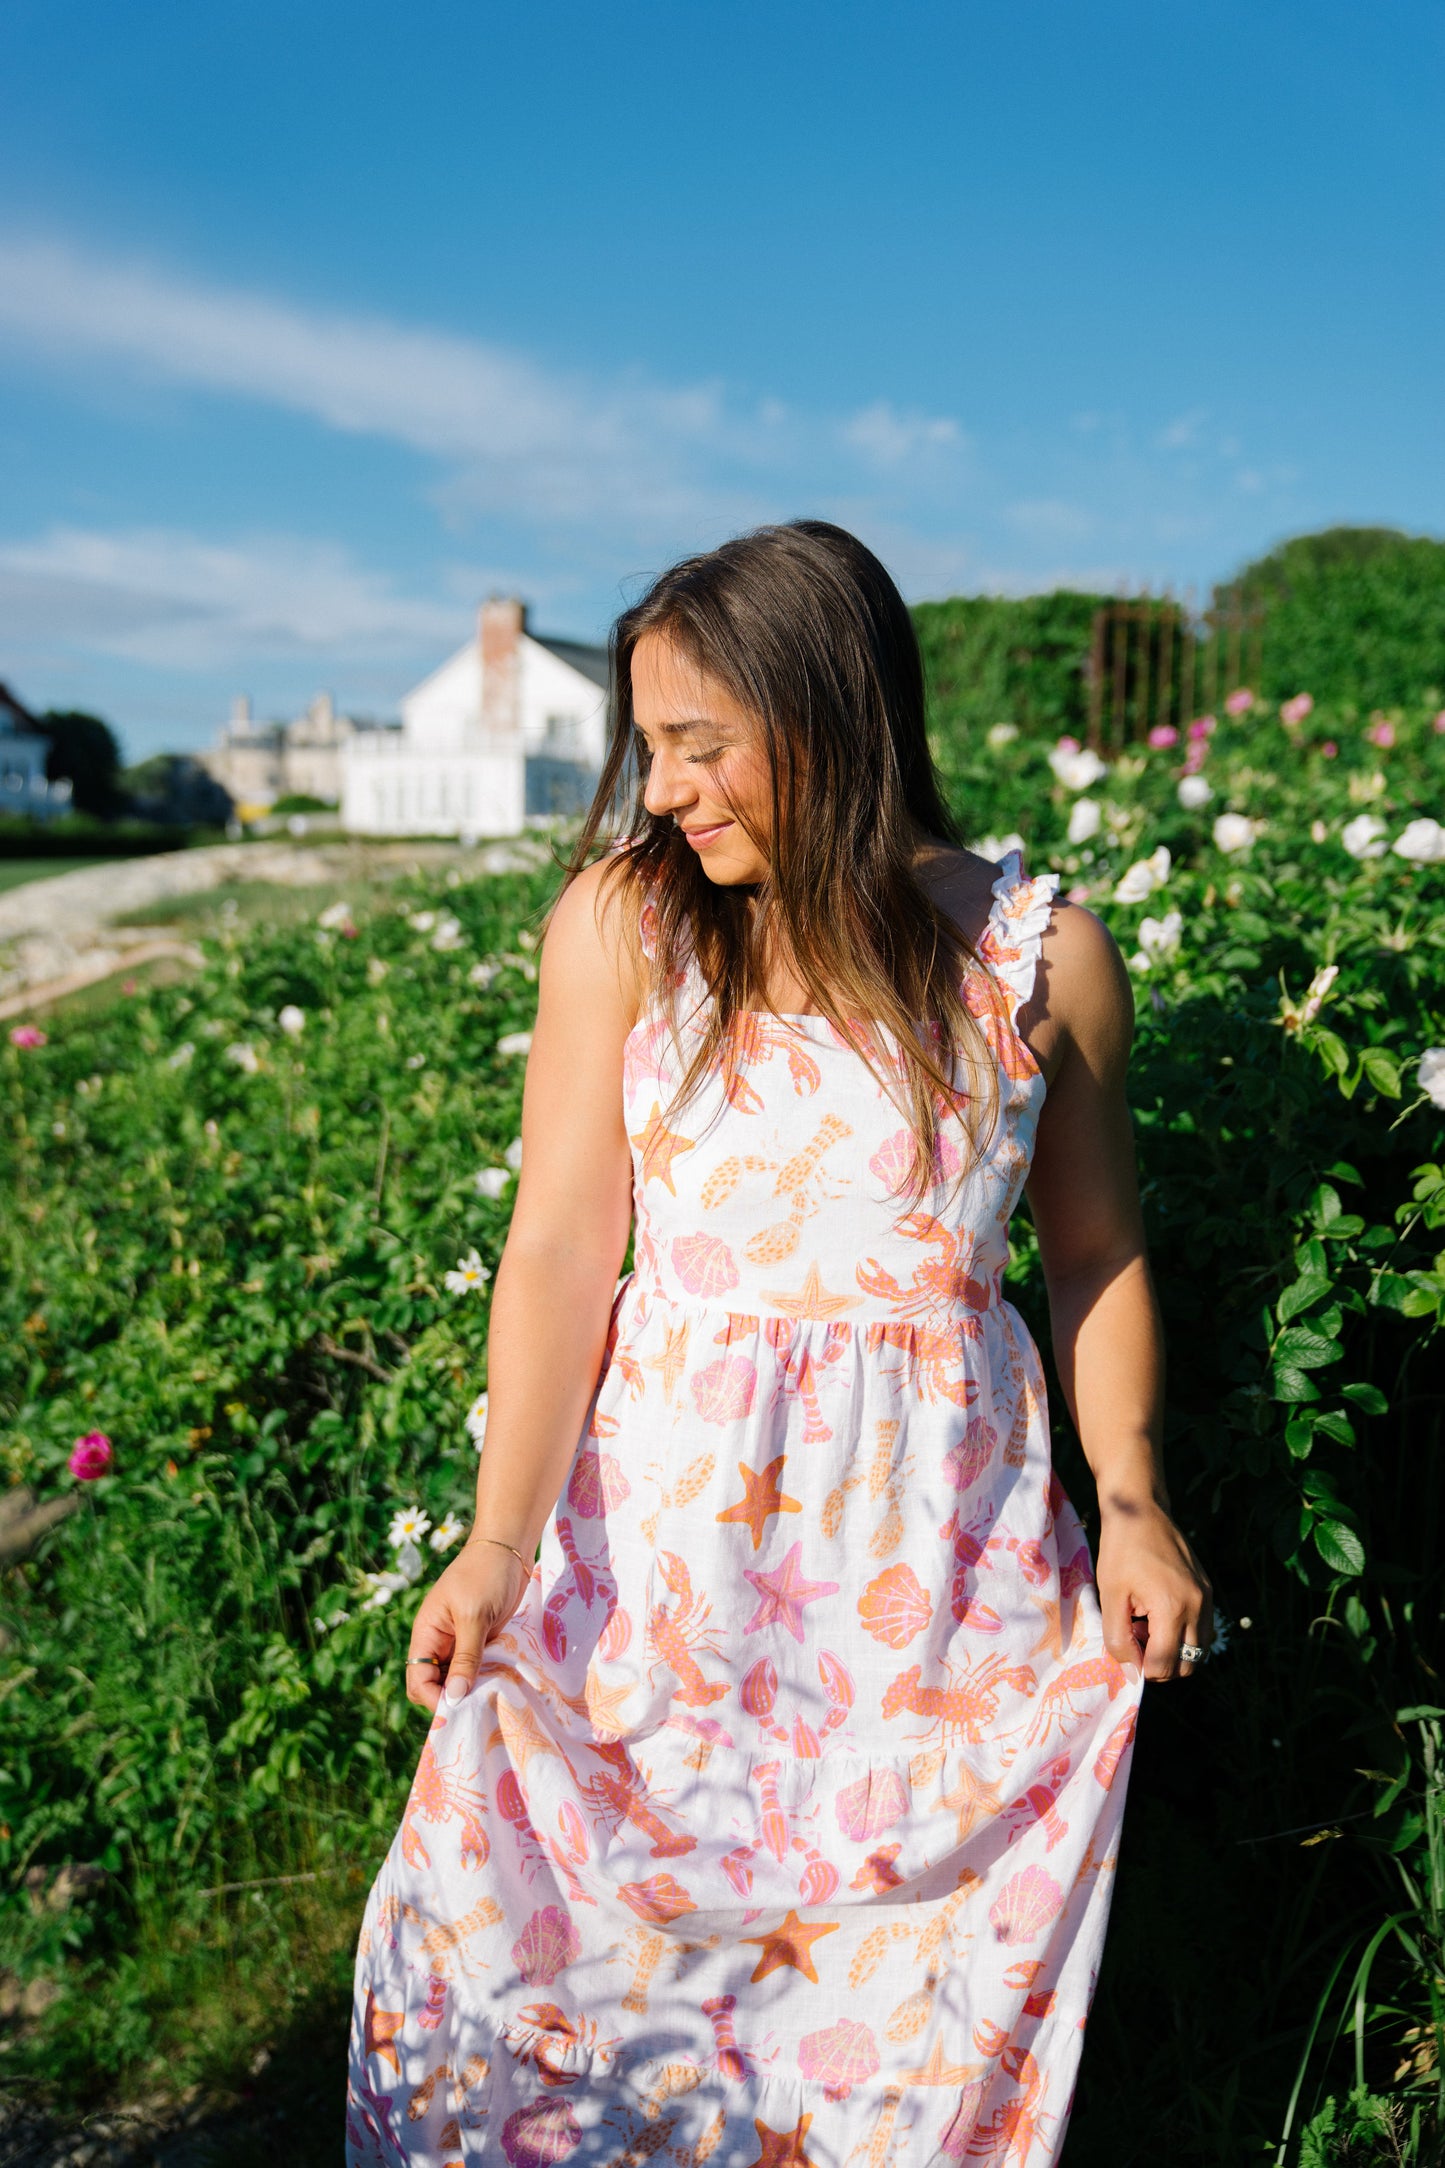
[{"x": 500, "y": 626}]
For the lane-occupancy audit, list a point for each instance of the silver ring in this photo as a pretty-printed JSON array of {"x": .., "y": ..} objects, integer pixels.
[{"x": 1188, "y": 1654}]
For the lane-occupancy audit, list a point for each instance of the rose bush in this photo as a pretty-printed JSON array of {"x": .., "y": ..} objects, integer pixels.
[{"x": 253, "y": 1221}]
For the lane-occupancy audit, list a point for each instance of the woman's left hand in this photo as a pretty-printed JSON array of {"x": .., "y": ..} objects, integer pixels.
[{"x": 1154, "y": 1594}]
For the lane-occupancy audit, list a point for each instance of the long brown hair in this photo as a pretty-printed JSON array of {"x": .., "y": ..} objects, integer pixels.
[{"x": 805, "y": 628}]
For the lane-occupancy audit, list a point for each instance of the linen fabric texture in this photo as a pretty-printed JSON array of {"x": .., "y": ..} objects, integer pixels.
[{"x": 779, "y": 1826}]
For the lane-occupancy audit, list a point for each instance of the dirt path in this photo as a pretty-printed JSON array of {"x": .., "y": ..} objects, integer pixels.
[{"x": 60, "y": 935}]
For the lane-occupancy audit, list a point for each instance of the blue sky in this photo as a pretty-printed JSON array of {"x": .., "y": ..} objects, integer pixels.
[{"x": 318, "y": 322}]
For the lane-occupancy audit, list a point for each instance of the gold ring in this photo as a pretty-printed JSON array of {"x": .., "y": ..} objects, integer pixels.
[{"x": 424, "y": 1660}]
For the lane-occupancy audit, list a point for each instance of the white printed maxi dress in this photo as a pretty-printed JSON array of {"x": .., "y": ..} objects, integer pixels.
[{"x": 778, "y": 1830}]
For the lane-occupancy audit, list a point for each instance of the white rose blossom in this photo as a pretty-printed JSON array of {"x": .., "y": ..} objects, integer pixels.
[
  {"x": 1194, "y": 791},
  {"x": 491, "y": 1181},
  {"x": 291, "y": 1020},
  {"x": 1422, "y": 842},
  {"x": 997, "y": 847},
  {"x": 1159, "y": 940},
  {"x": 1143, "y": 877},
  {"x": 1364, "y": 836},
  {"x": 1432, "y": 1075},
  {"x": 1076, "y": 767},
  {"x": 1084, "y": 819},
  {"x": 515, "y": 1042},
  {"x": 1234, "y": 832}
]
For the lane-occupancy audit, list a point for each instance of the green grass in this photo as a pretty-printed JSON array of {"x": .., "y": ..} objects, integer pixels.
[{"x": 19, "y": 872}]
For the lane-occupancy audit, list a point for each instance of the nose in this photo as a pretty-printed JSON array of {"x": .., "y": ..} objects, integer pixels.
[{"x": 668, "y": 788}]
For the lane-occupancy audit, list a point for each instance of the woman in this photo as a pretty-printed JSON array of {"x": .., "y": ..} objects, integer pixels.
[{"x": 771, "y": 1818}]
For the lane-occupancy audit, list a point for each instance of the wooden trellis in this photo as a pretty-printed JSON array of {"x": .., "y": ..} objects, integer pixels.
[{"x": 1154, "y": 659}]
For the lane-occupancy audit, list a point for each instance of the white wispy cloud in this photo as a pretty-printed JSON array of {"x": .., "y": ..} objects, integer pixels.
[
  {"x": 178, "y": 601},
  {"x": 510, "y": 433}
]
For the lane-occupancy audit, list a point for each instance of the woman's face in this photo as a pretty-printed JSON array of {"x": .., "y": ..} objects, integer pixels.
[{"x": 706, "y": 750}]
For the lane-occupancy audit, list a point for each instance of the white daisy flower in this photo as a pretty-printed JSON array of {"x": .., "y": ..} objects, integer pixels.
[
  {"x": 422, "y": 921},
  {"x": 381, "y": 1587},
  {"x": 515, "y": 1042},
  {"x": 513, "y": 1155},
  {"x": 408, "y": 1525},
  {"x": 448, "y": 934},
  {"x": 470, "y": 1273},
  {"x": 491, "y": 1181},
  {"x": 482, "y": 974},
  {"x": 447, "y": 1532},
  {"x": 477, "y": 1420},
  {"x": 244, "y": 1055}
]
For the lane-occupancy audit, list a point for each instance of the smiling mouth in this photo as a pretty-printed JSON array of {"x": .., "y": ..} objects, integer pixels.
[{"x": 712, "y": 828}]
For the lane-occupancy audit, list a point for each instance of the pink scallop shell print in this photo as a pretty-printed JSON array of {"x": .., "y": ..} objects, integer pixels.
[
  {"x": 704, "y": 1264},
  {"x": 546, "y": 1946},
  {"x": 541, "y": 2134},
  {"x": 871, "y": 1805},
  {"x": 723, "y": 1390},
  {"x": 895, "y": 1607},
  {"x": 597, "y": 1485},
  {"x": 840, "y": 2057},
  {"x": 965, "y": 1462},
  {"x": 1025, "y": 1905}
]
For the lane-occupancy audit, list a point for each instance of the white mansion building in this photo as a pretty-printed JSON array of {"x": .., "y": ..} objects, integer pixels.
[{"x": 511, "y": 727}]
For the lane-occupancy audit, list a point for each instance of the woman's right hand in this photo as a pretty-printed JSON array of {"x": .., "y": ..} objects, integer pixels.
[{"x": 469, "y": 1603}]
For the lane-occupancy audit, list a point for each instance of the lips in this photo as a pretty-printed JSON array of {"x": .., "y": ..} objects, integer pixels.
[{"x": 704, "y": 834}]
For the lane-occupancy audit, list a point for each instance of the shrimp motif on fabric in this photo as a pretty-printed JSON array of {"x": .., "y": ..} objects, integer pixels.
[{"x": 807, "y": 1708}]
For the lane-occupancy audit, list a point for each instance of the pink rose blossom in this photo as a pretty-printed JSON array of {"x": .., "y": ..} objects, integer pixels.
[
  {"x": 90, "y": 1456},
  {"x": 1239, "y": 702},
  {"x": 1295, "y": 711},
  {"x": 1440, "y": 723},
  {"x": 27, "y": 1035},
  {"x": 1381, "y": 732},
  {"x": 1079, "y": 893},
  {"x": 1329, "y": 750},
  {"x": 1194, "y": 759},
  {"x": 1163, "y": 735},
  {"x": 1202, "y": 727}
]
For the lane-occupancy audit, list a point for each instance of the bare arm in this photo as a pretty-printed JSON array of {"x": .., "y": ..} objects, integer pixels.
[
  {"x": 1108, "y": 1344},
  {"x": 555, "y": 1281}
]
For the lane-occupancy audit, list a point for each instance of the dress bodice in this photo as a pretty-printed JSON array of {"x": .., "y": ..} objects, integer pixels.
[{"x": 793, "y": 1208}]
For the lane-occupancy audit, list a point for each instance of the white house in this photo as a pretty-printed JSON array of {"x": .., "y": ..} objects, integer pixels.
[
  {"x": 512, "y": 726},
  {"x": 24, "y": 749}
]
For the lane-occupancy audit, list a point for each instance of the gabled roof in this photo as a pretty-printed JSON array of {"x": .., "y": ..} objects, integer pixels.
[
  {"x": 16, "y": 719},
  {"x": 589, "y": 662}
]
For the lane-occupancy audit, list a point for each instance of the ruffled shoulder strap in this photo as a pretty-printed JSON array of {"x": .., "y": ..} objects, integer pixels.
[{"x": 1017, "y": 921}]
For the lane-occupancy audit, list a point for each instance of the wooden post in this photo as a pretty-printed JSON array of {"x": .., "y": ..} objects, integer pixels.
[
  {"x": 1236, "y": 634},
  {"x": 1117, "y": 712},
  {"x": 1187, "y": 660},
  {"x": 1096, "y": 674},
  {"x": 1164, "y": 680}
]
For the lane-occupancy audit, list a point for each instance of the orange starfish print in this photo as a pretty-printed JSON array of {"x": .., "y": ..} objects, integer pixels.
[
  {"x": 659, "y": 1146},
  {"x": 762, "y": 1498},
  {"x": 782, "y": 2148},
  {"x": 790, "y": 1944}
]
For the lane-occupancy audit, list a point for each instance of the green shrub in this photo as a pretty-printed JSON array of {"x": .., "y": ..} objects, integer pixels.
[{"x": 226, "y": 1247}]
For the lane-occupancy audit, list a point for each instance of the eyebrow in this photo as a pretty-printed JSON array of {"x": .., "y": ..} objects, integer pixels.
[{"x": 678, "y": 730}]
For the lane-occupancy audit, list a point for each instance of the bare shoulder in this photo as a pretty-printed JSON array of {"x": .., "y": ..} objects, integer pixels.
[
  {"x": 592, "y": 961},
  {"x": 1082, "y": 999}
]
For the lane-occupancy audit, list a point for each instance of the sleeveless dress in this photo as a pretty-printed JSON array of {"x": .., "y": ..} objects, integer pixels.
[{"x": 778, "y": 1829}]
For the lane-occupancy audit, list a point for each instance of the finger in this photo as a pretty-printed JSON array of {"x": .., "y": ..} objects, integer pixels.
[
  {"x": 1166, "y": 1632},
  {"x": 1116, "y": 1612},
  {"x": 471, "y": 1631},
  {"x": 431, "y": 1638}
]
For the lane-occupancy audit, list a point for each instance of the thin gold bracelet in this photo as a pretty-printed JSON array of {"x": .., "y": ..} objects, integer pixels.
[{"x": 506, "y": 1547}]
